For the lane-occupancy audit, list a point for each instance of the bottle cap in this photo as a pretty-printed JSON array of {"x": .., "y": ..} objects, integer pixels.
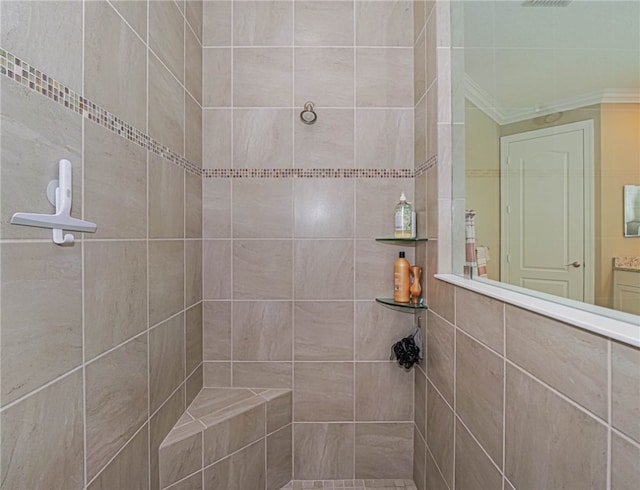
[
  {"x": 401, "y": 255},
  {"x": 403, "y": 197}
]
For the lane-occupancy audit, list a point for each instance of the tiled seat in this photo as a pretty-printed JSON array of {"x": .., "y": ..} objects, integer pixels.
[{"x": 223, "y": 437}]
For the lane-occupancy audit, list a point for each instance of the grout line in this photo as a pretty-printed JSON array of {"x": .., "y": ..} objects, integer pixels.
[{"x": 83, "y": 259}]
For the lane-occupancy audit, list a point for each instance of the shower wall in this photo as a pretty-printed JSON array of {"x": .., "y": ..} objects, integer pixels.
[
  {"x": 101, "y": 340},
  {"x": 507, "y": 398},
  {"x": 290, "y": 213}
]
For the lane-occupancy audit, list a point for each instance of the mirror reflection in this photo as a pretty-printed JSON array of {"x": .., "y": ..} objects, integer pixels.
[{"x": 552, "y": 137}]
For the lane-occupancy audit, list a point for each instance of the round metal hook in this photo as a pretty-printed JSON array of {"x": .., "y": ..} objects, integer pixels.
[{"x": 308, "y": 115}]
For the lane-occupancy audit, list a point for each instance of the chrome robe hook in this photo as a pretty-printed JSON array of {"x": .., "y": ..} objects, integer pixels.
[{"x": 308, "y": 115}]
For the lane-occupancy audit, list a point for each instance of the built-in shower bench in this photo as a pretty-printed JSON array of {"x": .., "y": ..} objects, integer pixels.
[{"x": 231, "y": 438}]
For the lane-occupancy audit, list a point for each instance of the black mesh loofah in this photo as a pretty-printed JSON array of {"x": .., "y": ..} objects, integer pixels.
[{"x": 406, "y": 351}]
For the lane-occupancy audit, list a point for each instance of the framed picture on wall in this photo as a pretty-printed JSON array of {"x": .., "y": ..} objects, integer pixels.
[{"x": 632, "y": 211}]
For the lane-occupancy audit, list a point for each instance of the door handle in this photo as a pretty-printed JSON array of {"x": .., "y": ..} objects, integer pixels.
[{"x": 575, "y": 264}]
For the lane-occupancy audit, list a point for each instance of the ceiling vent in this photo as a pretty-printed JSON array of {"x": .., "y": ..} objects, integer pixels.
[{"x": 546, "y": 3}]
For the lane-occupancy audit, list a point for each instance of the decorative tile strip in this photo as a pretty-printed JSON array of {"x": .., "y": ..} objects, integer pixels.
[
  {"x": 26, "y": 75},
  {"x": 306, "y": 173},
  {"x": 423, "y": 167}
]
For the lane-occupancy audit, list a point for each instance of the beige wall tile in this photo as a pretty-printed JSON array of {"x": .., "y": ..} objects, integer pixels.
[
  {"x": 262, "y": 330},
  {"x": 194, "y": 482},
  {"x": 262, "y": 374},
  {"x": 166, "y": 279},
  {"x": 326, "y": 144},
  {"x": 384, "y": 77},
  {"x": 160, "y": 425},
  {"x": 33, "y": 128},
  {"x": 377, "y": 329},
  {"x": 279, "y": 458},
  {"x": 262, "y": 23},
  {"x": 324, "y": 208},
  {"x": 193, "y": 271},
  {"x": 216, "y": 138},
  {"x": 166, "y": 35},
  {"x": 481, "y": 317},
  {"x": 432, "y": 202},
  {"x": 323, "y": 269},
  {"x": 323, "y": 23},
  {"x": 216, "y": 269},
  {"x": 323, "y": 331},
  {"x": 194, "y": 13},
  {"x": 193, "y": 205},
  {"x": 332, "y": 85},
  {"x": 262, "y": 77},
  {"x": 625, "y": 401},
  {"x": 279, "y": 409},
  {"x": 262, "y": 138},
  {"x": 116, "y": 401},
  {"x": 473, "y": 466},
  {"x": 194, "y": 384},
  {"x": 166, "y": 360},
  {"x": 262, "y": 269},
  {"x": 216, "y": 341},
  {"x": 419, "y": 461},
  {"x": 135, "y": 13},
  {"x": 420, "y": 67},
  {"x": 323, "y": 451},
  {"x": 479, "y": 387},
  {"x": 193, "y": 130},
  {"x": 226, "y": 434},
  {"x": 180, "y": 453},
  {"x": 384, "y": 451},
  {"x": 49, "y": 422},
  {"x": 31, "y": 31},
  {"x": 115, "y": 172},
  {"x": 434, "y": 480},
  {"x": 216, "y": 208},
  {"x": 242, "y": 470},
  {"x": 419, "y": 17},
  {"x": 431, "y": 32},
  {"x": 375, "y": 203},
  {"x": 384, "y": 23},
  {"x": 115, "y": 294},
  {"x": 166, "y": 199},
  {"x": 193, "y": 64},
  {"x": 193, "y": 337},
  {"x": 216, "y": 23},
  {"x": 216, "y": 374},
  {"x": 571, "y": 360},
  {"x": 625, "y": 472},
  {"x": 374, "y": 267},
  {"x": 431, "y": 123},
  {"x": 384, "y": 138},
  {"x": 420, "y": 402},
  {"x": 440, "y": 358},
  {"x": 313, "y": 380},
  {"x": 420, "y": 133},
  {"x": 534, "y": 417},
  {"x": 439, "y": 293},
  {"x": 41, "y": 317},
  {"x": 440, "y": 421},
  {"x": 216, "y": 73},
  {"x": 375, "y": 378},
  {"x": 130, "y": 468},
  {"x": 166, "y": 106},
  {"x": 272, "y": 217},
  {"x": 115, "y": 64},
  {"x": 214, "y": 402}
]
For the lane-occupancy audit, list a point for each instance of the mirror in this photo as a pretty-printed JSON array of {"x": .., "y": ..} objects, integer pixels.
[
  {"x": 549, "y": 92},
  {"x": 632, "y": 211}
]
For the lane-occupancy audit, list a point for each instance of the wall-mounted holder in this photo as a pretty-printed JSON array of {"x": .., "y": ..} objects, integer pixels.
[
  {"x": 308, "y": 115},
  {"x": 59, "y": 194}
]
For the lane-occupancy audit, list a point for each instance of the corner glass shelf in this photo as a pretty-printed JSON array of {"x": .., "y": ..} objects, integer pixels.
[
  {"x": 402, "y": 306},
  {"x": 401, "y": 240}
]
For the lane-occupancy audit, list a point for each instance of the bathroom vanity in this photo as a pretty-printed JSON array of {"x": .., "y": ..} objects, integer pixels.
[{"x": 626, "y": 284}]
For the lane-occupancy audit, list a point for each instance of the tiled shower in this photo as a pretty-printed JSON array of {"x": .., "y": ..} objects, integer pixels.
[{"x": 236, "y": 249}]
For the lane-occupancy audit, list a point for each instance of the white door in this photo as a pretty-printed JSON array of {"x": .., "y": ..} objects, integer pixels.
[{"x": 545, "y": 207}]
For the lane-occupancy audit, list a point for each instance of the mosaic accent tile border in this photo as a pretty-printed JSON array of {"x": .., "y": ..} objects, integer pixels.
[
  {"x": 306, "y": 173},
  {"x": 422, "y": 168},
  {"x": 28, "y": 76}
]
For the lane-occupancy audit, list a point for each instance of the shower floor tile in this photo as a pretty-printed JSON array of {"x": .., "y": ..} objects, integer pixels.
[{"x": 388, "y": 484}]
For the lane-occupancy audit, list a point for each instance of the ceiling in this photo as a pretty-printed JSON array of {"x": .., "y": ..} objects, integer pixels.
[{"x": 524, "y": 61}]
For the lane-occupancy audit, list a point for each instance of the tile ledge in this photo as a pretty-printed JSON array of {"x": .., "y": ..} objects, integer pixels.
[{"x": 623, "y": 331}]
